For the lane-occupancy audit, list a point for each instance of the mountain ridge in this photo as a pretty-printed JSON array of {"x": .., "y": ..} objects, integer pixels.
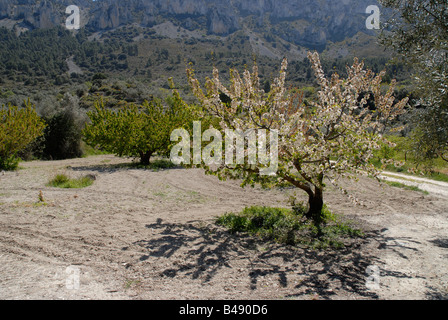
[{"x": 307, "y": 23}]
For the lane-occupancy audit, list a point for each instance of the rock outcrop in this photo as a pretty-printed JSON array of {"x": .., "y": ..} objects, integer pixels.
[{"x": 303, "y": 22}]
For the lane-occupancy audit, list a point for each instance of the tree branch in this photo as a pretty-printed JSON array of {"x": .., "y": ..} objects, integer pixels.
[
  {"x": 298, "y": 184},
  {"x": 442, "y": 156}
]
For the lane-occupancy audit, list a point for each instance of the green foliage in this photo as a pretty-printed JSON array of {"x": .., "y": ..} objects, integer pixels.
[
  {"x": 411, "y": 158},
  {"x": 138, "y": 130},
  {"x": 155, "y": 165},
  {"x": 91, "y": 151},
  {"x": 43, "y": 52},
  {"x": 18, "y": 128},
  {"x": 418, "y": 31},
  {"x": 259, "y": 219},
  {"x": 385, "y": 152},
  {"x": 161, "y": 164},
  {"x": 63, "y": 181},
  {"x": 430, "y": 135},
  {"x": 300, "y": 210},
  {"x": 288, "y": 226},
  {"x": 9, "y": 163},
  {"x": 37, "y": 53},
  {"x": 63, "y": 136},
  {"x": 59, "y": 179}
]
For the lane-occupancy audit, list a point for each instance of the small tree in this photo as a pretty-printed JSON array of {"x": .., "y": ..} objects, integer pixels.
[
  {"x": 334, "y": 136},
  {"x": 137, "y": 130},
  {"x": 18, "y": 128}
]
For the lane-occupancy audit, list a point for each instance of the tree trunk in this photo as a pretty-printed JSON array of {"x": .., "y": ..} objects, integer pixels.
[
  {"x": 316, "y": 204},
  {"x": 315, "y": 198},
  {"x": 145, "y": 158}
]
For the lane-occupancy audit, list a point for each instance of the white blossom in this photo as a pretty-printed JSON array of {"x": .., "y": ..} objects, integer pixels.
[{"x": 335, "y": 136}]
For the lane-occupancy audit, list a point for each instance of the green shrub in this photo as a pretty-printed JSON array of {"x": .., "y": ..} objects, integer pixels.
[
  {"x": 63, "y": 136},
  {"x": 63, "y": 181},
  {"x": 9, "y": 163},
  {"x": 288, "y": 226},
  {"x": 161, "y": 164},
  {"x": 276, "y": 224}
]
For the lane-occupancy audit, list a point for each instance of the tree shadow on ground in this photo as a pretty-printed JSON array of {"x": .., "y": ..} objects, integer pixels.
[
  {"x": 436, "y": 294},
  {"x": 114, "y": 167},
  {"x": 442, "y": 243},
  {"x": 202, "y": 251}
]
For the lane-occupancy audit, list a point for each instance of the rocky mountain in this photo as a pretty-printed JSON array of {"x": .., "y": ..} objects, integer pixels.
[{"x": 308, "y": 23}]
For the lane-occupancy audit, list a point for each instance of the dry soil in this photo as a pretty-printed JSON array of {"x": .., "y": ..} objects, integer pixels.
[{"x": 144, "y": 234}]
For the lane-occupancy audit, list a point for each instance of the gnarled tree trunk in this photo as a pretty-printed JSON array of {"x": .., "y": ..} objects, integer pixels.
[
  {"x": 315, "y": 199},
  {"x": 316, "y": 203},
  {"x": 145, "y": 157}
]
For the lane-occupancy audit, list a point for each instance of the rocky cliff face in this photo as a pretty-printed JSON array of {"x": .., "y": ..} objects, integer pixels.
[{"x": 302, "y": 22}]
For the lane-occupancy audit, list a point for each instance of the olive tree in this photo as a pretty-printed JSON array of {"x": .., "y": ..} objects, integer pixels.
[
  {"x": 332, "y": 137},
  {"x": 418, "y": 31}
]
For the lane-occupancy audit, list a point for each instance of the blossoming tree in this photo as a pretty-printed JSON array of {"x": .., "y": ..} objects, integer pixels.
[{"x": 332, "y": 137}]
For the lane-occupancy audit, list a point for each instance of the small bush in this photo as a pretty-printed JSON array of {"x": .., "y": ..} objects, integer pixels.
[
  {"x": 63, "y": 136},
  {"x": 9, "y": 163},
  {"x": 59, "y": 179},
  {"x": 288, "y": 226},
  {"x": 153, "y": 165},
  {"x": 63, "y": 181},
  {"x": 162, "y": 164}
]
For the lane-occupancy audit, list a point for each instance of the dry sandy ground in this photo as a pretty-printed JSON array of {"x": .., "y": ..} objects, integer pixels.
[{"x": 142, "y": 234}]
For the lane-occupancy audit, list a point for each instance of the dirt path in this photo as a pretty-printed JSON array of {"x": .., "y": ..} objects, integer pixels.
[
  {"x": 140, "y": 234},
  {"x": 72, "y": 66},
  {"x": 439, "y": 188}
]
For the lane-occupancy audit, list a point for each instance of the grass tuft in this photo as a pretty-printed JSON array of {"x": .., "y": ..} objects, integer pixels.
[
  {"x": 63, "y": 181},
  {"x": 405, "y": 186}
]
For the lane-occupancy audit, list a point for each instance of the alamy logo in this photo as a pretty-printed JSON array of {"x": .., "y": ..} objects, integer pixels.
[
  {"x": 373, "y": 278},
  {"x": 373, "y": 21},
  {"x": 74, "y": 20},
  {"x": 72, "y": 280},
  {"x": 250, "y": 146}
]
